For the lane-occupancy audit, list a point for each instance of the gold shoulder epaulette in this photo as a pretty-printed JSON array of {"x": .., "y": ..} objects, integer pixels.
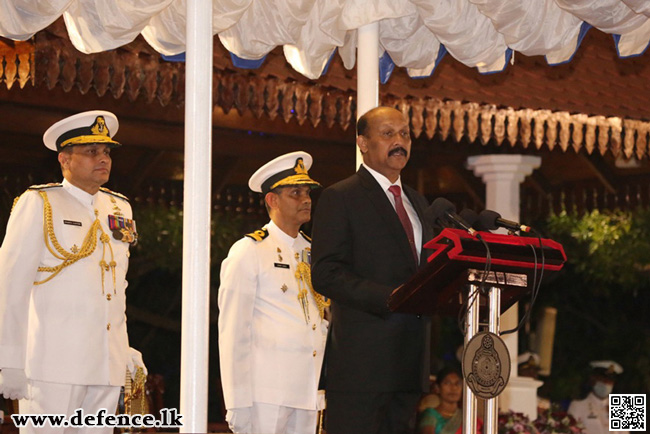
[
  {"x": 16, "y": 199},
  {"x": 114, "y": 193},
  {"x": 259, "y": 234},
  {"x": 44, "y": 186},
  {"x": 304, "y": 235}
]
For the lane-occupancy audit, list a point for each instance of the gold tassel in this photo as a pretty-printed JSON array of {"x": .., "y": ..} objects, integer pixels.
[{"x": 303, "y": 274}]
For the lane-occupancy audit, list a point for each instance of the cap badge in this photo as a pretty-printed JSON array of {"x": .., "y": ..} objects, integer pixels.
[
  {"x": 300, "y": 167},
  {"x": 99, "y": 128}
]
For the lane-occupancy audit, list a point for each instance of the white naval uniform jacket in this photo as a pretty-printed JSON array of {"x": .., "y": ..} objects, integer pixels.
[
  {"x": 67, "y": 330},
  {"x": 268, "y": 352},
  {"x": 593, "y": 413}
]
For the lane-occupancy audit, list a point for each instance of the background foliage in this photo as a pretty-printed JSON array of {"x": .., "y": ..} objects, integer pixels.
[{"x": 602, "y": 297}]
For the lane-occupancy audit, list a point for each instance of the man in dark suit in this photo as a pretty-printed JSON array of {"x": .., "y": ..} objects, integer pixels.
[{"x": 367, "y": 241}]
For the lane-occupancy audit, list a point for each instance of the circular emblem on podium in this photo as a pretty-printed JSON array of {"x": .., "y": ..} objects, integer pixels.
[{"x": 486, "y": 365}]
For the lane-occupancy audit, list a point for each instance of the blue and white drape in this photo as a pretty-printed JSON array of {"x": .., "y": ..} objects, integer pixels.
[{"x": 414, "y": 34}]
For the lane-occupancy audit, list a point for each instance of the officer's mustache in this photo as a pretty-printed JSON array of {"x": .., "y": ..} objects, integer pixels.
[{"x": 398, "y": 150}]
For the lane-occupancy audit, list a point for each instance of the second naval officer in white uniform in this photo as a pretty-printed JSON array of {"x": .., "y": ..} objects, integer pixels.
[{"x": 272, "y": 329}]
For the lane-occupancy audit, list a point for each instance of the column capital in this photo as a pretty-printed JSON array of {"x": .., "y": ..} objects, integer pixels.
[{"x": 503, "y": 166}]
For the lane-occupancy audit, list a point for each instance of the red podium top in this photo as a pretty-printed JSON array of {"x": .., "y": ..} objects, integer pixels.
[
  {"x": 435, "y": 288},
  {"x": 508, "y": 251}
]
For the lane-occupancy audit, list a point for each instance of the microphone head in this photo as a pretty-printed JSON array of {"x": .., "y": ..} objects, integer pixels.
[
  {"x": 469, "y": 216},
  {"x": 442, "y": 205},
  {"x": 437, "y": 210},
  {"x": 487, "y": 220}
]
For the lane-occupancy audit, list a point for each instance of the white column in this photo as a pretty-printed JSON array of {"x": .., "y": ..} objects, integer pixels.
[
  {"x": 503, "y": 175},
  {"x": 196, "y": 221},
  {"x": 367, "y": 72}
]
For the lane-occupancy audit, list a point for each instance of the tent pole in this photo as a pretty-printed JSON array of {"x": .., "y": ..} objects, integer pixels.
[
  {"x": 196, "y": 217},
  {"x": 367, "y": 71}
]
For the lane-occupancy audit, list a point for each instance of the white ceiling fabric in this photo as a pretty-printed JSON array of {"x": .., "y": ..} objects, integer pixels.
[{"x": 478, "y": 33}]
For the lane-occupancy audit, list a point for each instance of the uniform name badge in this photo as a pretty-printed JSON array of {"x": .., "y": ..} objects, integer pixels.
[{"x": 123, "y": 229}]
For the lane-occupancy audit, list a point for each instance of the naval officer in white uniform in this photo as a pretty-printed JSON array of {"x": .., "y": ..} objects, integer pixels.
[
  {"x": 593, "y": 411},
  {"x": 272, "y": 329},
  {"x": 63, "y": 263}
]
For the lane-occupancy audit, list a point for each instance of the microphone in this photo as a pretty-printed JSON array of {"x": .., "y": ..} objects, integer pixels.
[
  {"x": 443, "y": 211},
  {"x": 492, "y": 220},
  {"x": 470, "y": 217},
  {"x": 473, "y": 219}
]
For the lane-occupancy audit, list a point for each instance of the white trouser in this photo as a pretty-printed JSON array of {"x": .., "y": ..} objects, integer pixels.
[
  {"x": 55, "y": 398},
  {"x": 272, "y": 419}
]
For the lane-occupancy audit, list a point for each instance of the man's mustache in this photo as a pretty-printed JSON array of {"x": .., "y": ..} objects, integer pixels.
[{"x": 398, "y": 150}]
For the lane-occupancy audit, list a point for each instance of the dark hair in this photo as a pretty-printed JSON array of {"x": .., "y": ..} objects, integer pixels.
[
  {"x": 446, "y": 371},
  {"x": 276, "y": 190},
  {"x": 362, "y": 124}
]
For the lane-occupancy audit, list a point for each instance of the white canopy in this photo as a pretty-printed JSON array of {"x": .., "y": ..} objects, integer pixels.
[{"x": 413, "y": 34}]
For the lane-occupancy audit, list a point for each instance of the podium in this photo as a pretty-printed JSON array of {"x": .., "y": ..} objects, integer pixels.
[{"x": 485, "y": 275}]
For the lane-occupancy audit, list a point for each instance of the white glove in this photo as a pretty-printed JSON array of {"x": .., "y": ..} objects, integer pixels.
[
  {"x": 134, "y": 361},
  {"x": 239, "y": 420},
  {"x": 13, "y": 383}
]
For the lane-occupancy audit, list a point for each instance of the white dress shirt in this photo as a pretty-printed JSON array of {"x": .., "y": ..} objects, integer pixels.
[{"x": 413, "y": 216}]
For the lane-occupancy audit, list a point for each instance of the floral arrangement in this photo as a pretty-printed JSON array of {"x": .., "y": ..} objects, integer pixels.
[
  {"x": 515, "y": 423},
  {"x": 549, "y": 421},
  {"x": 552, "y": 421}
]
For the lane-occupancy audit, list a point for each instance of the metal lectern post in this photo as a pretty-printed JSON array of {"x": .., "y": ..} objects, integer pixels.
[
  {"x": 469, "y": 400},
  {"x": 491, "y": 405}
]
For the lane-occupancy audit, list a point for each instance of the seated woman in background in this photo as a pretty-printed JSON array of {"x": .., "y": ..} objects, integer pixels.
[{"x": 447, "y": 417}]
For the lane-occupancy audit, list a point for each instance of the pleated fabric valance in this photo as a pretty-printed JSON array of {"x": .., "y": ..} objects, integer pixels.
[{"x": 413, "y": 34}]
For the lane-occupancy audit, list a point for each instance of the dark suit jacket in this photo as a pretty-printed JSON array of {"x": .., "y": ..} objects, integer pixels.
[{"x": 360, "y": 255}]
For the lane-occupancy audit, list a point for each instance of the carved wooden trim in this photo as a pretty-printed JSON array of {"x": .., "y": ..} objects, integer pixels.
[
  {"x": 16, "y": 62},
  {"x": 526, "y": 127},
  {"x": 138, "y": 72}
]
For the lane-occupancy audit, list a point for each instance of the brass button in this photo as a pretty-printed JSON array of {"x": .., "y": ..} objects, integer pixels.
[
  {"x": 108, "y": 327},
  {"x": 108, "y": 297},
  {"x": 314, "y": 353},
  {"x": 313, "y": 327}
]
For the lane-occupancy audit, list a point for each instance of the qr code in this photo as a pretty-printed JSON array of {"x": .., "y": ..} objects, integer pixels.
[{"x": 627, "y": 412}]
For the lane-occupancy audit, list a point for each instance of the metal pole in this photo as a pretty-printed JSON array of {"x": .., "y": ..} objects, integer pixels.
[
  {"x": 367, "y": 71},
  {"x": 492, "y": 405},
  {"x": 469, "y": 400},
  {"x": 196, "y": 221}
]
